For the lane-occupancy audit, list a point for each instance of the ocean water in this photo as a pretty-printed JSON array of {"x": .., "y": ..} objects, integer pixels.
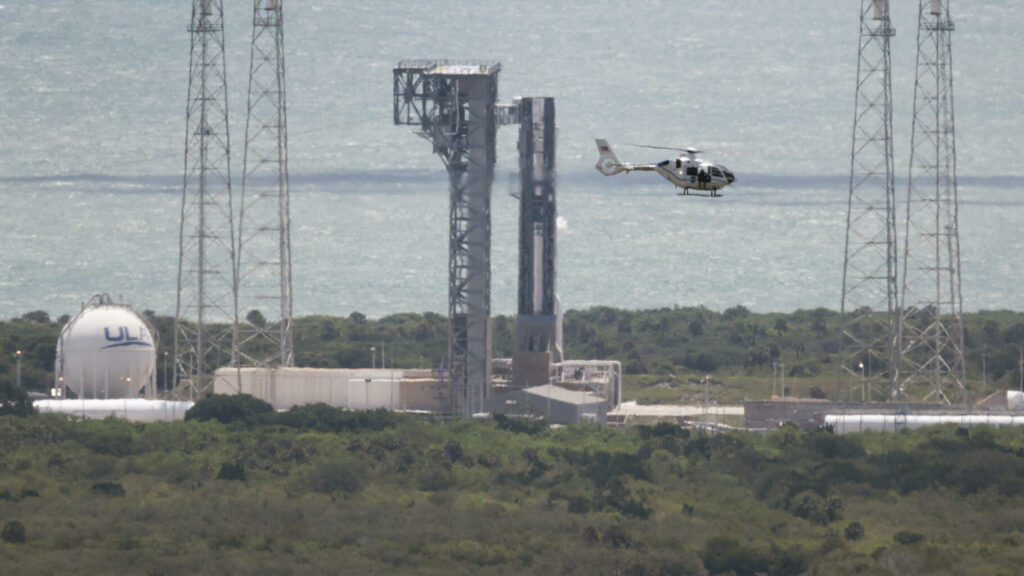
[{"x": 92, "y": 105}]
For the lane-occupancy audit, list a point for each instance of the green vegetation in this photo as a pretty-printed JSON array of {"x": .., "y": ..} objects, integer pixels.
[
  {"x": 665, "y": 353},
  {"x": 322, "y": 491},
  {"x": 240, "y": 489}
]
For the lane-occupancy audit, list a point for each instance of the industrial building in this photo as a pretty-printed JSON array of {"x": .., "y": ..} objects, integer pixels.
[
  {"x": 286, "y": 387},
  {"x": 579, "y": 391},
  {"x": 554, "y": 404}
]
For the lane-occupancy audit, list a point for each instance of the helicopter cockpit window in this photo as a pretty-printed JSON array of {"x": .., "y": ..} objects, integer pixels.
[
  {"x": 716, "y": 172},
  {"x": 691, "y": 171},
  {"x": 679, "y": 163}
]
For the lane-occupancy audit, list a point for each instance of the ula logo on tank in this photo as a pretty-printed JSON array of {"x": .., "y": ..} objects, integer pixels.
[{"x": 124, "y": 337}]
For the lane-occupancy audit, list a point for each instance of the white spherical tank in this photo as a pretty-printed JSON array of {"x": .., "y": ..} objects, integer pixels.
[{"x": 106, "y": 351}]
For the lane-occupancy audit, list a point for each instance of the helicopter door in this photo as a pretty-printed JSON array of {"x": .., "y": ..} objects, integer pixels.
[{"x": 691, "y": 174}]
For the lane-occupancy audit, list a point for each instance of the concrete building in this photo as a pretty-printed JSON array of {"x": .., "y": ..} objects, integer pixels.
[
  {"x": 555, "y": 404},
  {"x": 285, "y": 387}
]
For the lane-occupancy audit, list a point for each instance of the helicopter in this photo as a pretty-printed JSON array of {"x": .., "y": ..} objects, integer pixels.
[{"x": 686, "y": 171}]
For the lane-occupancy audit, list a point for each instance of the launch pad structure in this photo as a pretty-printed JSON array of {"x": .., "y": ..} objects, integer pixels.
[{"x": 454, "y": 105}]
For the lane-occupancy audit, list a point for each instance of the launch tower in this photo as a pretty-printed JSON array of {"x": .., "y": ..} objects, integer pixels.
[{"x": 454, "y": 105}]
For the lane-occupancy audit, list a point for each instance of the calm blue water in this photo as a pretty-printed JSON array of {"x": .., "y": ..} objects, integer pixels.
[{"x": 92, "y": 104}]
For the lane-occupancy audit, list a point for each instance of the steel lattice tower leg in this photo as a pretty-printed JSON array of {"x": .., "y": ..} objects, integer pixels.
[
  {"x": 868, "y": 314},
  {"x": 455, "y": 106},
  {"x": 264, "y": 237},
  {"x": 206, "y": 304},
  {"x": 931, "y": 326}
]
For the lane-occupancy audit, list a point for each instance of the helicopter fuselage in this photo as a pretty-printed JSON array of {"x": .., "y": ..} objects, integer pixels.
[{"x": 694, "y": 174}]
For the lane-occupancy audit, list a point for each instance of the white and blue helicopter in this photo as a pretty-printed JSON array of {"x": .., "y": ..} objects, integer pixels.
[{"x": 685, "y": 171}]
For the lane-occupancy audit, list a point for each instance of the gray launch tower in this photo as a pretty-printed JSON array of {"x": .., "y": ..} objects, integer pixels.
[
  {"x": 454, "y": 105},
  {"x": 206, "y": 262},
  {"x": 264, "y": 336},
  {"x": 931, "y": 335},
  {"x": 538, "y": 324},
  {"x": 868, "y": 316}
]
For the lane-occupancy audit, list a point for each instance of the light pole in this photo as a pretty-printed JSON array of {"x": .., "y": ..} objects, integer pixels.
[
  {"x": 775, "y": 373},
  {"x": 862, "y": 379},
  {"x": 17, "y": 370},
  {"x": 984, "y": 375},
  {"x": 1020, "y": 369}
]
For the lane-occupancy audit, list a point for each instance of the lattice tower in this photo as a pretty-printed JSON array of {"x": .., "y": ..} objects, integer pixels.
[
  {"x": 264, "y": 237},
  {"x": 206, "y": 305},
  {"x": 931, "y": 326},
  {"x": 454, "y": 104},
  {"x": 868, "y": 315}
]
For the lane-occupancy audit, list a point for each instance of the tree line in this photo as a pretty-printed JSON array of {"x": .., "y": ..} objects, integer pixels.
[{"x": 655, "y": 346}]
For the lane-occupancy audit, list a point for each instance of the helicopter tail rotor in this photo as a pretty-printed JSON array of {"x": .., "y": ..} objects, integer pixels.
[{"x": 609, "y": 163}]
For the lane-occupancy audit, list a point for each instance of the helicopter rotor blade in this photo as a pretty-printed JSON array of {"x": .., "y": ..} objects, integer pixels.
[{"x": 656, "y": 147}]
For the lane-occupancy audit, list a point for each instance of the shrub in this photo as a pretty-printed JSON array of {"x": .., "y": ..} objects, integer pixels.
[
  {"x": 905, "y": 537},
  {"x": 230, "y": 471},
  {"x": 112, "y": 489},
  {"x": 229, "y": 408},
  {"x": 617, "y": 537},
  {"x": 434, "y": 479},
  {"x": 338, "y": 475},
  {"x": 854, "y": 531},
  {"x": 14, "y": 400},
  {"x": 14, "y": 532},
  {"x": 831, "y": 541}
]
